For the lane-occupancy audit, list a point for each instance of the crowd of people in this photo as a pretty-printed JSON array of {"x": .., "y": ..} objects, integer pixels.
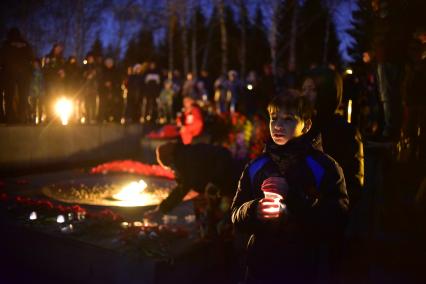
[{"x": 102, "y": 92}]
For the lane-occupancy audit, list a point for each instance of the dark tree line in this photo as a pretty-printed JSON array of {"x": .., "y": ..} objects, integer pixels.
[{"x": 242, "y": 35}]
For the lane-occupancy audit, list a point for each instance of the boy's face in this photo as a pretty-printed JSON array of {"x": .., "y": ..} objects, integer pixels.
[{"x": 285, "y": 125}]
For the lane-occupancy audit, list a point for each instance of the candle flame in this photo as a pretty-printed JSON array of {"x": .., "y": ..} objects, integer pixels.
[{"x": 349, "y": 111}]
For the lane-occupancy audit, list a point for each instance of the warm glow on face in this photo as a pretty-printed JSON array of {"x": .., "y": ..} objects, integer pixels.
[
  {"x": 133, "y": 194},
  {"x": 63, "y": 109}
]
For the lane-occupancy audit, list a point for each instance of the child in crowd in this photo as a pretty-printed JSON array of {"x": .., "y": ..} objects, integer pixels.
[
  {"x": 292, "y": 200},
  {"x": 165, "y": 102}
]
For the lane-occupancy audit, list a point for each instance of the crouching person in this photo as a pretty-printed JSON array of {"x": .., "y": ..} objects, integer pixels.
[
  {"x": 292, "y": 200},
  {"x": 205, "y": 168}
]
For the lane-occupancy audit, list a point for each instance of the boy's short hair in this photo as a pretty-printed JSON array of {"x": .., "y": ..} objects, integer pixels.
[{"x": 292, "y": 100}]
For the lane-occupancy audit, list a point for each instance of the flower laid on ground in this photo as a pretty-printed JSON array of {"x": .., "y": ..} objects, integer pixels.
[
  {"x": 133, "y": 167},
  {"x": 168, "y": 131}
]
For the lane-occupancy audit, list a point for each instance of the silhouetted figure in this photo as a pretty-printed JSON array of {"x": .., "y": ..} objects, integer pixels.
[
  {"x": 109, "y": 92},
  {"x": 151, "y": 90},
  {"x": 15, "y": 63},
  {"x": 54, "y": 74}
]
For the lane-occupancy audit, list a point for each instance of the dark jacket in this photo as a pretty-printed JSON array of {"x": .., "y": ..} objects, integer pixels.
[
  {"x": 15, "y": 59},
  {"x": 109, "y": 75},
  {"x": 343, "y": 142},
  {"x": 195, "y": 166},
  {"x": 288, "y": 249}
]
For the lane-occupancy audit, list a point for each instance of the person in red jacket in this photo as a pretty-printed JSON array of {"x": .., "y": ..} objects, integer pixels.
[
  {"x": 191, "y": 121},
  {"x": 189, "y": 124}
]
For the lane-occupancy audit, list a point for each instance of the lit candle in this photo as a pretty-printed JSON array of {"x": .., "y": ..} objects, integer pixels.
[
  {"x": 60, "y": 219},
  {"x": 278, "y": 206},
  {"x": 33, "y": 216},
  {"x": 125, "y": 225}
]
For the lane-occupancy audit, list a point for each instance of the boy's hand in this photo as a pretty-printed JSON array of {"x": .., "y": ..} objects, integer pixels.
[
  {"x": 270, "y": 208},
  {"x": 275, "y": 190},
  {"x": 277, "y": 185}
]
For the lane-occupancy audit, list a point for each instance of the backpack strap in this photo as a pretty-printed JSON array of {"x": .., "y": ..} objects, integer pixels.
[
  {"x": 256, "y": 166},
  {"x": 317, "y": 170}
]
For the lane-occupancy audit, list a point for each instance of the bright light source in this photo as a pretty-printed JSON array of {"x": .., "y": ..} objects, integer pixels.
[
  {"x": 63, "y": 109},
  {"x": 84, "y": 61},
  {"x": 125, "y": 225},
  {"x": 33, "y": 216},
  {"x": 349, "y": 71},
  {"x": 349, "y": 111},
  {"x": 60, "y": 219},
  {"x": 249, "y": 87},
  {"x": 132, "y": 194}
]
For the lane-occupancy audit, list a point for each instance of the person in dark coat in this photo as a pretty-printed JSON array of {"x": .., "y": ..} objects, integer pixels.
[
  {"x": 292, "y": 200},
  {"x": 74, "y": 84},
  {"x": 151, "y": 90},
  {"x": 73, "y": 77},
  {"x": 16, "y": 67},
  {"x": 339, "y": 139},
  {"x": 90, "y": 88},
  {"x": 200, "y": 167},
  {"x": 109, "y": 92},
  {"x": 135, "y": 99}
]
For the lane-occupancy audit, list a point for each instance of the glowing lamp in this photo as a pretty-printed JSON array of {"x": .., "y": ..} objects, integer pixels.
[
  {"x": 349, "y": 111},
  {"x": 84, "y": 61},
  {"x": 63, "y": 109},
  {"x": 33, "y": 216},
  {"x": 348, "y": 71},
  {"x": 249, "y": 87},
  {"x": 60, "y": 219},
  {"x": 278, "y": 206},
  {"x": 125, "y": 225}
]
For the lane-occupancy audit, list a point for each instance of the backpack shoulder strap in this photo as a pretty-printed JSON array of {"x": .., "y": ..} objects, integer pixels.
[
  {"x": 317, "y": 170},
  {"x": 256, "y": 166}
]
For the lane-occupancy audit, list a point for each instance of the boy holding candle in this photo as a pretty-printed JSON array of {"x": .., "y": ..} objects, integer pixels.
[{"x": 292, "y": 200}]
